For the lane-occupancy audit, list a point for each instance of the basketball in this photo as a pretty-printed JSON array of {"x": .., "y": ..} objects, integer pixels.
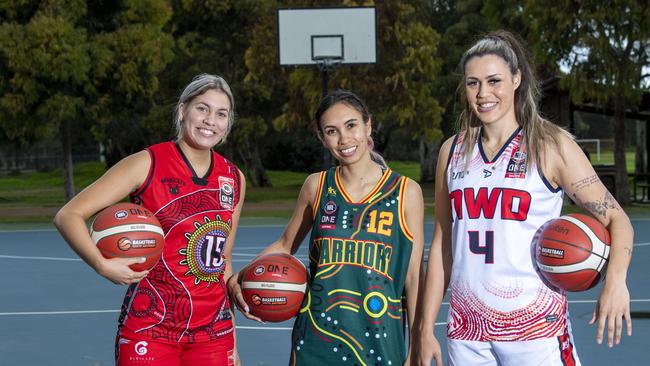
[
  {"x": 274, "y": 286},
  {"x": 128, "y": 230},
  {"x": 571, "y": 252}
]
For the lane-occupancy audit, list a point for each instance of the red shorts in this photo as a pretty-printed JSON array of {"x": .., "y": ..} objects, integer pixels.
[{"x": 145, "y": 352}]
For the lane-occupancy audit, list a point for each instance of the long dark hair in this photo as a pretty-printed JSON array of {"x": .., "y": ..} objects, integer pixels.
[{"x": 352, "y": 100}]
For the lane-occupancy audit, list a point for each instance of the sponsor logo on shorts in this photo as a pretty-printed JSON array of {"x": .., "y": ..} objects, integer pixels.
[
  {"x": 141, "y": 348},
  {"x": 227, "y": 192},
  {"x": 552, "y": 252},
  {"x": 566, "y": 344}
]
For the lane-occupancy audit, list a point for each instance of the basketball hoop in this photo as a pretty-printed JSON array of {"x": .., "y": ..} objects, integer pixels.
[
  {"x": 327, "y": 62},
  {"x": 327, "y": 37}
]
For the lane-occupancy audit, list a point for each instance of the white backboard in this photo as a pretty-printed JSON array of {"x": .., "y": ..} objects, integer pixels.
[{"x": 309, "y": 34}]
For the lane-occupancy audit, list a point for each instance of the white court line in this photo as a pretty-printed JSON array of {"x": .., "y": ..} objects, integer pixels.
[
  {"x": 53, "y": 229},
  {"x": 41, "y": 258},
  {"x": 72, "y": 312},
  {"x": 300, "y": 257},
  {"x": 26, "y": 230},
  {"x": 262, "y": 328},
  {"x": 243, "y": 260},
  {"x": 59, "y": 312}
]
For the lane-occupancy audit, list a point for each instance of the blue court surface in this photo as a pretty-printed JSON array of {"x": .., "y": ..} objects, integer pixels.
[{"x": 54, "y": 310}]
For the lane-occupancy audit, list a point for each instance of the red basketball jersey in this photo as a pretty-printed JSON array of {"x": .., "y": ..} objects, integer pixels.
[{"x": 184, "y": 297}]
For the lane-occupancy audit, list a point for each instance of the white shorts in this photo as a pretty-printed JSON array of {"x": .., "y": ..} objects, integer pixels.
[{"x": 557, "y": 351}]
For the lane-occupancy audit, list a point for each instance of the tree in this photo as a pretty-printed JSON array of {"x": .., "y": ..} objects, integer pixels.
[
  {"x": 212, "y": 37},
  {"x": 605, "y": 50},
  {"x": 130, "y": 49},
  {"x": 46, "y": 62},
  {"x": 66, "y": 65},
  {"x": 459, "y": 23}
]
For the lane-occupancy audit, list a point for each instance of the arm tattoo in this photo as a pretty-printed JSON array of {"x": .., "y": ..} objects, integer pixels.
[
  {"x": 599, "y": 208},
  {"x": 582, "y": 183},
  {"x": 629, "y": 251}
]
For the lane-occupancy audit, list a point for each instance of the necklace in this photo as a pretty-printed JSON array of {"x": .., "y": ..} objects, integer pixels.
[{"x": 490, "y": 149}]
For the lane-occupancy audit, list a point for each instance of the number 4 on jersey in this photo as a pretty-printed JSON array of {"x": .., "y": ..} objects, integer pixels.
[{"x": 487, "y": 249}]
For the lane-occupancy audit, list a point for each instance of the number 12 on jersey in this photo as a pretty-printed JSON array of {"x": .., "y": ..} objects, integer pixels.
[{"x": 486, "y": 249}]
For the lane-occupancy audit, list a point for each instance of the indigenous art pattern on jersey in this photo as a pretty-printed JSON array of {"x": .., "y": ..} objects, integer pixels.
[
  {"x": 359, "y": 255},
  {"x": 184, "y": 297},
  {"x": 497, "y": 206}
]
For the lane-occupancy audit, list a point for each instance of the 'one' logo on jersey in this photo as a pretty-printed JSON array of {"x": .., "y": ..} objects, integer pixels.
[
  {"x": 517, "y": 165},
  {"x": 226, "y": 192},
  {"x": 328, "y": 216}
]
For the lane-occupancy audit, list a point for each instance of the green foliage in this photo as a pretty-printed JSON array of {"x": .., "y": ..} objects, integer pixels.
[
  {"x": 46, "y": 64},
  {"x": 406, "y": 168},
  {"x": 604, "y": 47},
  {"x": 70, "y": 61},
  {"x": 459, "y": 23},
  {"x": 605, "y": 50}
]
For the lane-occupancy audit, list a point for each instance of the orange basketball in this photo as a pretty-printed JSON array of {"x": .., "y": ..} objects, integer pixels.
[
  {"x": 572, "y": 251},
  {"x": 274, "y": 286},
  {"x": 128, "y": 230}
]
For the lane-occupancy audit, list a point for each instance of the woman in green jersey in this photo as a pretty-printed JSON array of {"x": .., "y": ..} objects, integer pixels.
[{"x": 365, "y": 250}]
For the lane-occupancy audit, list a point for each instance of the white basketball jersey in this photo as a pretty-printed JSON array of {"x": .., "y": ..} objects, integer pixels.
[{"x": 497, "y": 206}]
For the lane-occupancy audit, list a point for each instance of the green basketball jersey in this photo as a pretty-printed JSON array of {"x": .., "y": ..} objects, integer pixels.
[{"x": 359, "y": 252}]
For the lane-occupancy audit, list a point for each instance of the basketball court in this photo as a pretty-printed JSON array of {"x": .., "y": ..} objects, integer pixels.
[{"x": 54, "y": 310}]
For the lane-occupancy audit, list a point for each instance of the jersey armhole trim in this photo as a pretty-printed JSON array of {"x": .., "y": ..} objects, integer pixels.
[
  {"x": 546, "y": 182},
  {"x": 402, "y": 214},
  {"x": 319, "y": 192},
  {"x": 149, "y": 178},
  {"x": 451, "y": 150}
]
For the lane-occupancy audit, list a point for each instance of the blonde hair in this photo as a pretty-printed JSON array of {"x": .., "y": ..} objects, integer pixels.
[
  {"x": 538, "y": 132},
  {"x": 199, "y": 85}
]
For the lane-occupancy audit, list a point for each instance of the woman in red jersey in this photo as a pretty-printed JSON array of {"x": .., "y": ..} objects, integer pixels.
[
  {"x": 497, "y": 181},
  {"x": 177, "y": 313}
]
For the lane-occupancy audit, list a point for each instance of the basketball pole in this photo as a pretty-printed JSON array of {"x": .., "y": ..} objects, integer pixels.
[{"x": 324, "y": 66}]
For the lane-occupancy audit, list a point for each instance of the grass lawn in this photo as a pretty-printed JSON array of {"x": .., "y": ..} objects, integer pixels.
[
  {"x": 35, "y": 196},
  {"x": 607, "y": 158}
]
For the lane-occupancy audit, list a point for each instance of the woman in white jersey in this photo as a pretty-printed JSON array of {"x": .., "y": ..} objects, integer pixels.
[{"x": 499, "y": 179}]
